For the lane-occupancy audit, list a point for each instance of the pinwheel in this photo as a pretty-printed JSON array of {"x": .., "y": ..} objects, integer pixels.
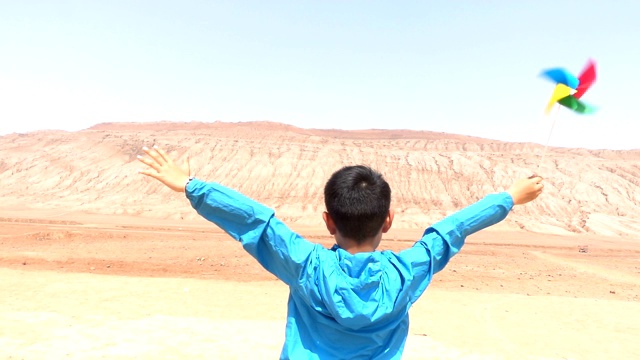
[{"x": 569, "y": 89}]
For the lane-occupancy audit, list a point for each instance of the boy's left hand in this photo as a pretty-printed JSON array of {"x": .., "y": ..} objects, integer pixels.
[{"x": 164, "y": 169}]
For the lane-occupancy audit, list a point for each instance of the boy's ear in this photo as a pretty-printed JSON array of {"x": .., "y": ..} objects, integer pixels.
[
  {"x": 388, "y": 221},
  {"x": 331, "y": 226}
]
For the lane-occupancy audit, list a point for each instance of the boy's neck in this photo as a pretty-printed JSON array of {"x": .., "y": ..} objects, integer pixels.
[{"x": 354, "y": 247}]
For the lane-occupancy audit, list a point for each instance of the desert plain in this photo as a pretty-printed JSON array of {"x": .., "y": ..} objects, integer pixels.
[{"x": 97, "y": 262}]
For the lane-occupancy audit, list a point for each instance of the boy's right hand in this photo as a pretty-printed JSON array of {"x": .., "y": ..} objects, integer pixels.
[{"x": 525, "y": 190}]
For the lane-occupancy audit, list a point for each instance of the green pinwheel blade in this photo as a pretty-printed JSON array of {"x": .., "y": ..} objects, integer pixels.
[{"x": 576, "y": 105}]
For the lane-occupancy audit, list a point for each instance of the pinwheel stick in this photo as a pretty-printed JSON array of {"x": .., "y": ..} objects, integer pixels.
[{"x": 546, "y": 145}]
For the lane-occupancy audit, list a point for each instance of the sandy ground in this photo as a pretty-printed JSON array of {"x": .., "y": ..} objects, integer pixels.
[{"x": 81, "y": 286}]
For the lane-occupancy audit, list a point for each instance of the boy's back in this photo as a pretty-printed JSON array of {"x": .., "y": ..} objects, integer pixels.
[{"x": 342, "y": 305}]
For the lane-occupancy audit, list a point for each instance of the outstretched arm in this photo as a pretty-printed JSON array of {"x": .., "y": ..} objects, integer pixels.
[
  {"x": 278, "y": 249},
  {"x": 444, "y": 239}
]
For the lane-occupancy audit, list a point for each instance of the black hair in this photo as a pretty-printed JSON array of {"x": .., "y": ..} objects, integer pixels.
[{"x": 358, "y": 200}]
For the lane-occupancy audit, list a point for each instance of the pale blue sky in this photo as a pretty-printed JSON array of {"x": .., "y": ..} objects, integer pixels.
[{"x": 466, "y": 67}]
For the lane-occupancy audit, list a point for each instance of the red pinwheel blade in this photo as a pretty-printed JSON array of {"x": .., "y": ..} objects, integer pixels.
[{"x": 587, "y": 78}]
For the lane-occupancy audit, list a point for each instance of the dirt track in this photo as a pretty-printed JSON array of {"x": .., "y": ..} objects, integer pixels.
[{"x": 83, "y": 286}]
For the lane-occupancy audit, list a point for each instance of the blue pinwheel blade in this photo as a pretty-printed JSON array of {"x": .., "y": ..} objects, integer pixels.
[{"x": 561, "y": 76}]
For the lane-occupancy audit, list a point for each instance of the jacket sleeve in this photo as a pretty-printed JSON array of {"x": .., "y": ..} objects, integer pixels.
[
  {"x": 443, "y": 240},
  {"x": 278, "y": 249}
]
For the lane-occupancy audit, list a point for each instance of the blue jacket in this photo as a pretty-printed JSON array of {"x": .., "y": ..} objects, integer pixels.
[{"x": 343, "y": 306}]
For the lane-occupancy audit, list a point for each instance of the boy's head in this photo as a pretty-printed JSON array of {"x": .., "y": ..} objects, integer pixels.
[{"x": 358, "y": 201}]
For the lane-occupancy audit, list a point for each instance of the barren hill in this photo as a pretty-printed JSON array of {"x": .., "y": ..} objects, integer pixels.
[{"x": 431, "y": 174}]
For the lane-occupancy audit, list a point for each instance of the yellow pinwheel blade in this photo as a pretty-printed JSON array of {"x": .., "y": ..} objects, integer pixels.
[{"x": 561, "y": 91}]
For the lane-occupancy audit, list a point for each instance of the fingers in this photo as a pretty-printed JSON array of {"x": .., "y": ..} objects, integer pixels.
[
  {"x": 148, "y": 173},
  {"x": 162, "y": 153},
  {"x": 152, "y": 164},
  {"x": 155, "y": 155},
  {"x": 538, "y": 189},
  {"x": 535, "y": 178}
]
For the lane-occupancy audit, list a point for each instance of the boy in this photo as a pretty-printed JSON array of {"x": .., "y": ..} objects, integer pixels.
[{"x": 350, "y": 301}]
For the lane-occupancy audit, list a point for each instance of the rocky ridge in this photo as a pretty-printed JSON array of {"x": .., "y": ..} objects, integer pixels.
[{"x": 431, "y": 174}]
